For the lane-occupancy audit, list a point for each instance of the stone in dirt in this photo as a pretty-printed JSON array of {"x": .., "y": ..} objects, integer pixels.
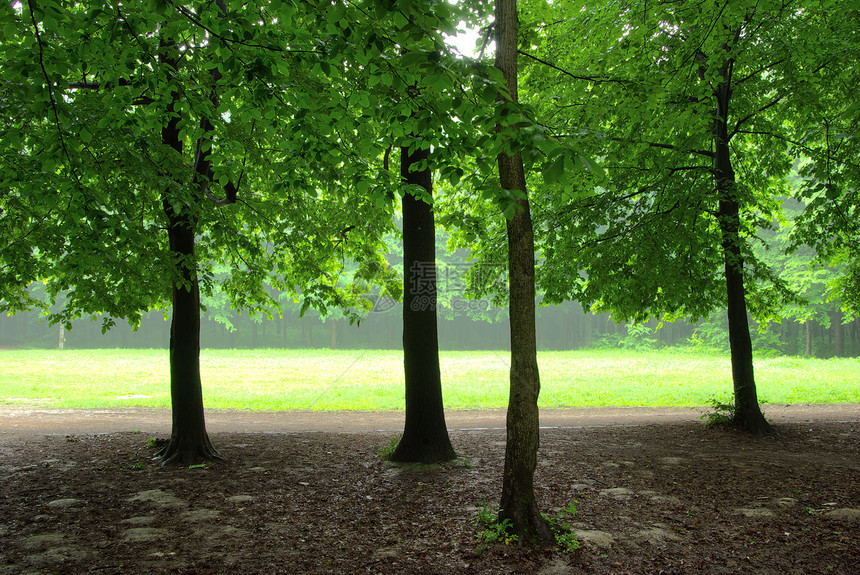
[
  {"x": 158, "y": 497},
  {"x": 198, "y": 515},
  {"x": 557, "y": 566},
  {"x": 139, "y": 520},
  {"x": 617, "y": 492},
  {"x": 845, "y": 514},
  {"x": 44, "y": 540},
  {"x": 64, "y": 503},
  {"x": 754, "y": 512},
  {"x": 145, "y": 534},
  {"x": 657, "y": 534},
  {"x": 594, "y": 537},
  {"x": 785, "y": 501}
]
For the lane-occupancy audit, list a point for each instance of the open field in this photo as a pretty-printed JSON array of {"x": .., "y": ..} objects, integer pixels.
[{"x": 373, "y": 380}]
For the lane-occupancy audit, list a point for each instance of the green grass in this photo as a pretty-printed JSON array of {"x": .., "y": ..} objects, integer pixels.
[{"x": 373, "y": 380}]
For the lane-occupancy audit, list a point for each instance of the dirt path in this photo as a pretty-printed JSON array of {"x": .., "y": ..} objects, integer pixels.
[
  {"x": 655, "y": 492},
  {"x": 32, "y": 420}
]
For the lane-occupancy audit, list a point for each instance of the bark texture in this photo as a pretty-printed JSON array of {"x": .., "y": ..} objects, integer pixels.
[
  {"x": 748, "y": 415},
  {"x": 425, "y": 435},
  {"x": 523, "y": 422}
]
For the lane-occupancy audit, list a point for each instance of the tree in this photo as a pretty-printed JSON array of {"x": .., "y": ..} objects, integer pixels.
[
  {"x": 425, "y": 435},
  {"x": 688, "y": 109},
  {"x": 145, "y": 121},
  {"x": 813, "y": 282},
  {"x": 518, "y": 503}
]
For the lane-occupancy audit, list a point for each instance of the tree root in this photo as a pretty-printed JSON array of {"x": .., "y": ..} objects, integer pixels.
[{"x": 188, "y": 452}]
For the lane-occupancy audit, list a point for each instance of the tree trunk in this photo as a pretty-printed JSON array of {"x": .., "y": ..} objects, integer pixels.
[
  {"x": 748, "y": 415},
  {"x": 518, "y": 501},
  {"x": 189, "y": 443},
  {"x": 808, "y": 326},
  {"x": 836, "y": 320},
  {"x": 334, "y": 335},
  {"x": 307, "y": 332},
  {"x": 425, "y": 435}
]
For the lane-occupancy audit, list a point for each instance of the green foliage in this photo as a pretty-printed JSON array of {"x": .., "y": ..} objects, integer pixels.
[
  {"x": 643, "y": 238},
  {"x": 721, "y": 414},
  {"x": 638, "y": 337},
  {"x": 493, "y": 530},
  {"x": 288, "y": 106},
  {"x": 565, "y": 538},
  {"x": 388, "y": 450}
]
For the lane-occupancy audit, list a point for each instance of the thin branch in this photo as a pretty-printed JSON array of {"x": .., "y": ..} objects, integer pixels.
[
  {"x": 706, "y": 153},
  {"x": 97, "y": 86},
  {"x": 597, "y": 79},
  {"x": 227, "y": 41},
  {"x": 749, "y": 117},
  {"x": 759, "y": 71},
  {"x": 51, "y": 92}
]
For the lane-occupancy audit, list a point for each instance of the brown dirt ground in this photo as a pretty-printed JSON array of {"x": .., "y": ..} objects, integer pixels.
[{"x": 307, "y": 493}]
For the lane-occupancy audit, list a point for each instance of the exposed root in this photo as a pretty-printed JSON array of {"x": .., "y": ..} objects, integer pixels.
[{"x": 178, "y": 452}]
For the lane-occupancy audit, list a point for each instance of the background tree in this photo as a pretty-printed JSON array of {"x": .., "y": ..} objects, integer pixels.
[
  {"x": 826, "y": 137},
  {"x": 688, "y": 109}
]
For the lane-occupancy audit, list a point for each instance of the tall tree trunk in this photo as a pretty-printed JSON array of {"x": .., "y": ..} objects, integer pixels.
[
  {"x": 808, "y": 325},
  {"x": 518, "y": 501},
  {"x": 425, "y": 435},
  {"x": 748, "y": 414},
  {"x": 189, "y": 442}
]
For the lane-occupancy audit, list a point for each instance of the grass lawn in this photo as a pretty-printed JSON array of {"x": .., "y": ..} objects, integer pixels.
[{"x": 373, "y": 380}]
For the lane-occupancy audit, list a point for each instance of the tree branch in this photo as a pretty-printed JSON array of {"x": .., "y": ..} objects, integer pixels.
[
  {"x": 188, "y": 14},
  {"x": 750, "y": 116},
  {"x": 759, "y": 71},
  {"x": 51, "y": 92},
  {"x": 597, "y": 79},
  {"x": 97, "y": 86}
]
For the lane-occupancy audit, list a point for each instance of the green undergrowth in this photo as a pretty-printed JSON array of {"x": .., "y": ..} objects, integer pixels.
[
  {"x": 721, "y": 414},
  {"x": 328, "y": 380},
  {"x": 388, "y": 449},
  {"x": 493, "y": 531}
]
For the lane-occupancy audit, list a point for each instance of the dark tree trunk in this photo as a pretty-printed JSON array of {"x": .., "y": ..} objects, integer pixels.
[
  {"x": 334, "y": 335},
  {"x": 748, "y": 415},
  {"x": 189, "y": 443},
  {"x": 808, "y": 325},
  {"x": 523, "y": 420},
  {"x": 425, "y": 435}
]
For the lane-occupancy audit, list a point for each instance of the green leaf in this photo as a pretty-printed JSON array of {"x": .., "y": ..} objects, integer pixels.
[
  {"x": 832, "y": 192},
  {"x": 554, "y": 172}
]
